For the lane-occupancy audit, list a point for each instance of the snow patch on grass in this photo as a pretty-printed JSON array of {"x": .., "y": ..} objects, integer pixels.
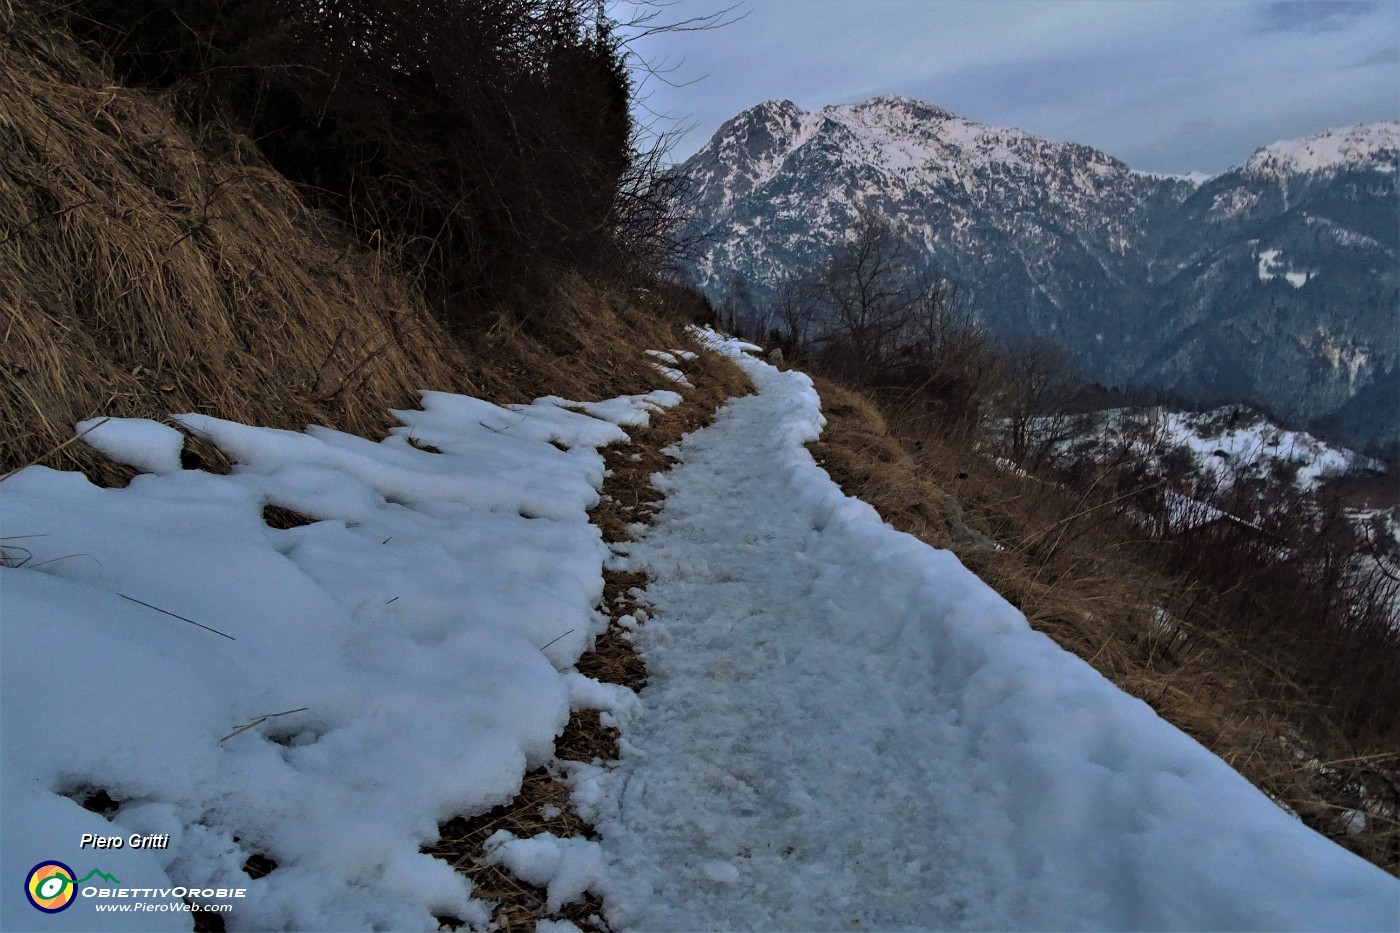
[{"x": 425, "y": 625}]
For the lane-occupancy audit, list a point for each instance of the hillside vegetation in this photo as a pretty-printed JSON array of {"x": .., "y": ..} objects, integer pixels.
[
  {"x": 283, "y": 213},
  {"x": 152, "y": 262},
  {"x": 169, "y": 246}
]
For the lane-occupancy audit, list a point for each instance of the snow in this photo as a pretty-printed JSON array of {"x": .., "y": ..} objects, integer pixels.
[
  {"x": 1365, "y": 145},
  {"x": 1196, "y": 178},
  {"x": 675, "y": 375},
  {"x": 147, "y": 445},
  {"x": 1223, "y": 445},
  {"x": 566, "y": 867},
  {"x": 1354, "y": 821},
  {"x": 871, "y": 738},
  {"x": 843, "y": 727},
  {"x": 719, "y": 872},
  {"x": 1185, "y": 513},
  {"x": 424, "y": 627},
  {"x": 555, "y": 926},
  {"x": 628, "y": 411},
  {"x": 894, "y": 136},
  {"x": 903, "y": 135},
  {"x": 1232, "y": 201},
  {"x": 1269, "y": 266},
  {"x": 1268, "y": 260}
]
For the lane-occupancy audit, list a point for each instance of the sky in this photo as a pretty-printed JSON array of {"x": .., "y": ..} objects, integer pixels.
[{"x": 1164, "y": 85}]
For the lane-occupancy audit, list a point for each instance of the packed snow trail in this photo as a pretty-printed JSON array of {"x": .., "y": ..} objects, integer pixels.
[{"x": 846, "y": 729}]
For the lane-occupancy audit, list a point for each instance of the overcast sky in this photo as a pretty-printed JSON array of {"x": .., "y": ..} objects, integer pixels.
[{"x": 1164, "y": 85}]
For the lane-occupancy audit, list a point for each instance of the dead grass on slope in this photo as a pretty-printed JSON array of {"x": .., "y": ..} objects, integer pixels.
[
  {"x": 140, "y": 274},
  {"x": 144, "y": 271},
  {"x": 1076, "y": 571}
]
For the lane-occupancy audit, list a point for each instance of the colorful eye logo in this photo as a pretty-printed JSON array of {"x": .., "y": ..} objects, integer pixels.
[{"x": 50, "y": 887}]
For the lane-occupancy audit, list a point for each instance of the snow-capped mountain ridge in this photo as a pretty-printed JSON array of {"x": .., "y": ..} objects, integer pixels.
[
  {"x": 1144, "y": 278},
  {"x": 897, "y": 134},
  {"x": 1372, "y": 146}
]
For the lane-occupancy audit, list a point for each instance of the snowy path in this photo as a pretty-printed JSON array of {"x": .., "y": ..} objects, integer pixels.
[{"x": 845, "y": 729}]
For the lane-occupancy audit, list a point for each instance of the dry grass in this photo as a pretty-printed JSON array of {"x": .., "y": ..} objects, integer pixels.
[
  {"x": 1078, "y": 574},
  {"x": 542, "y": 806},
  {"x": 612, "y": 659},
  {"x": 140, "y": 274},
  {"x": 587, "y": 739},
  {"x": 144, "y": 271}
]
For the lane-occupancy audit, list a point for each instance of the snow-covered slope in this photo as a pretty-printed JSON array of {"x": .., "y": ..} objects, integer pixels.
[
  {"x": 1211, "y": 450},
  {"x": 897, "y": 135},
  {"x": 415, "y": 646}
]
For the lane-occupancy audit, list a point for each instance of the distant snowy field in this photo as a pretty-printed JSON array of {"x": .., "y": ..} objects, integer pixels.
[
  {"x": 1210, "y": 456},
  {"x": 1222, "y": 446}
]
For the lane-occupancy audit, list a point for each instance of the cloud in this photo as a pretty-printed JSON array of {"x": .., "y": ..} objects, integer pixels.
[
  {"x": 1165, "y": 86},
  {"x": 1380, "y": 57},
  {"x": 1312, "y": 15}
]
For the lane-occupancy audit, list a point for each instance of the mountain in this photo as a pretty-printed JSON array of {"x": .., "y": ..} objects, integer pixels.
[
  {"x": 1278, "y": 281},
  {"x": 1274, "y": 282}
]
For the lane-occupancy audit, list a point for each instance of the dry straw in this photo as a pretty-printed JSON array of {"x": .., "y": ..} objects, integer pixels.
[
  {"x": 140, "y": 275},
  {"x": 145, "y": 270}
]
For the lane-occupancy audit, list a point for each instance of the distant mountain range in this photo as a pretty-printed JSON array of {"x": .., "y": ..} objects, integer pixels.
[{"x": 1274, "y": 282}]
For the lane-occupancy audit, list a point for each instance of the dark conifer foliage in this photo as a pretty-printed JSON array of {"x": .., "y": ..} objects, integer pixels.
[{"x": 489, "y": 141}]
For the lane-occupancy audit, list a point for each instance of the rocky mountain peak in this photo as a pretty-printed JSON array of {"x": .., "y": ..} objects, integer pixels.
[
  {"x": 894, "y": 106},
  {"x": 1371, "y": 146},
  {"x": 894, "y": 136}
]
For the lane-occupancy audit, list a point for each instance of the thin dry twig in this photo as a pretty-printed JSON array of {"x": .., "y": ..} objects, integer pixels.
[
  {"x": 174, "y": 615},
  {"x": 262, "y": 719}
]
